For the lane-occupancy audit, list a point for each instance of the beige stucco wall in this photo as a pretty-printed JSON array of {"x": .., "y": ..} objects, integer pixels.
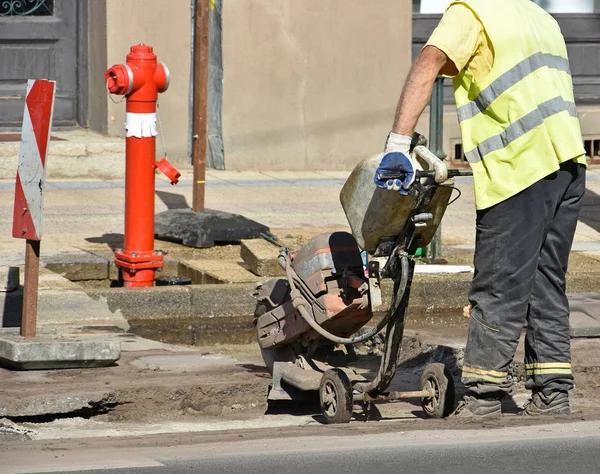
[
  {"x": 307, "y": 85},
  {"x": 166, "y": 27},
  {"x": 311, "y": 84}
]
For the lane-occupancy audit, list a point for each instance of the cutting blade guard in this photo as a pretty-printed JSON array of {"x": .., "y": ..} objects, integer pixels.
[{"x": 378, "y": 217}]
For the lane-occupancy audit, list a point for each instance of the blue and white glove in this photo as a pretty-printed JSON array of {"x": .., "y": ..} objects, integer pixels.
[
  {"x": 396, "y": 160},
  {"x": 397, "y": 163}
]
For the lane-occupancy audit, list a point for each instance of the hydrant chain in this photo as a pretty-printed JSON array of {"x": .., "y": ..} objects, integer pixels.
[
  {"x": 162, "y": 133},
  {"x": 111, "y": 98}
]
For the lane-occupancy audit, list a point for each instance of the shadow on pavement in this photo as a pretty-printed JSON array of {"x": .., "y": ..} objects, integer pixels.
[
  {"x": 172, "y": 200},
  {"x": 13, "y": 309},
  {"x": 114, "y": 241},
  {"x": 590, "y": 210}
]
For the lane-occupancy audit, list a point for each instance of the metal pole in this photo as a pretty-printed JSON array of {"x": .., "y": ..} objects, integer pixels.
[
  {"x": 200, "y": 114},
  {"x": 30, "y": 289},
  {"x": 436, "y": 145}
]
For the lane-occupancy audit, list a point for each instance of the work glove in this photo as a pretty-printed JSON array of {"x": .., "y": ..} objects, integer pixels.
[
  {"x": 397, "y": 163},
  {"x": 396, "y": 160},
  {"x": 398, "y": 143}
]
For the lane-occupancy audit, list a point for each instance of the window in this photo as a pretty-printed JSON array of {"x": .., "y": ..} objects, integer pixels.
[
  {"x": 552, "y": 6},
  {"x": 592, "y": 147},
  {"x": 26, "y": 8},
  {"x": 457, "y": 154}
]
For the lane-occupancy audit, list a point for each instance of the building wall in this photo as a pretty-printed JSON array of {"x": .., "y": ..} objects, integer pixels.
[
  {"x": 166, "y": 27},
  {"x": 97, "y": 64},
  {"x": 307, "y": 85},
  {"x": 311, "y": 85}
]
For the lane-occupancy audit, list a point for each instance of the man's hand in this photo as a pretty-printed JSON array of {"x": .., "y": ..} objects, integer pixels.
[{"x": 398, "y": 163}]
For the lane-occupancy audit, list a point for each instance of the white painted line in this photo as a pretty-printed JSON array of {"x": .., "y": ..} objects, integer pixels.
[{"x": 443, "y": 269}]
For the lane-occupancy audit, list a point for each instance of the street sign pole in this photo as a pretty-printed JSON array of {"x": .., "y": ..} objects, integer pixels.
[
  {"x": 30, "y": 290},
  {"x": 29, "y": 190},
  {"x": 200, "y": 101}
]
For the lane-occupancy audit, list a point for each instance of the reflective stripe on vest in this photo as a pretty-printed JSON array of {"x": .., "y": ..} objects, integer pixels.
[
  {"x": 520, "y": 127},
  {"x": 509, "y": 79}
]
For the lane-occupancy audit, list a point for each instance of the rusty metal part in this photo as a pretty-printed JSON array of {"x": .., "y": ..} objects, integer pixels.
[
  {"x": 30, "y": 290},
  {"x": 200, "y": 120},
  {"x": 391, "y": 396},
  {"x": 303, "y": 306}
]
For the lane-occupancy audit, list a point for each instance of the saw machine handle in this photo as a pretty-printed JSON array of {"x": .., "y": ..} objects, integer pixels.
[{"x": 422, "y": 174}]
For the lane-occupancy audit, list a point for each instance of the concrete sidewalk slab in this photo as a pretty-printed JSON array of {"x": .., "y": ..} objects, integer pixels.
[
  {"x": 216, "y": 271},
  {"x": 585, "y": 315},
  {"x": 55, "y": 351}
]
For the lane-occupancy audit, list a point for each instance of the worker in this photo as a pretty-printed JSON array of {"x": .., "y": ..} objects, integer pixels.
[{"x": 522, "y": 139}]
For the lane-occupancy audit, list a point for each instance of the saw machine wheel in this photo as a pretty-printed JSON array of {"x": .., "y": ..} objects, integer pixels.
[
  {"x": 335, "y": 394},
  {"x": 437, "y": 379}
]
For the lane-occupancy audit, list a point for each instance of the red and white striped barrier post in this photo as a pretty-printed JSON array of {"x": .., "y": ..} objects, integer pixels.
[{"x": 29, "y": 190}]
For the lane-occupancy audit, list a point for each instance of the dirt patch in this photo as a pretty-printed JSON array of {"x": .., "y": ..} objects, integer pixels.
[{"x": 237, "y": 390}]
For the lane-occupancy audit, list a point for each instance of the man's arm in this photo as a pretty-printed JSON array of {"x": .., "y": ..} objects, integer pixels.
[{"x": 418, "y": 87}]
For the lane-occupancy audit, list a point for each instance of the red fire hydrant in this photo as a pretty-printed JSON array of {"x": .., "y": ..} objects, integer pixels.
[{"x": 140, "y": 80}]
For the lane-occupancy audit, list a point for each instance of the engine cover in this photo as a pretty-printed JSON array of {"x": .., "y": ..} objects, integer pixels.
[{"x": 331, "y": 267}]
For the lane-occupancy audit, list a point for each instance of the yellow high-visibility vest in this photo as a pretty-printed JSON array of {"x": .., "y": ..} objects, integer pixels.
[{"x": 520, "y": 122}]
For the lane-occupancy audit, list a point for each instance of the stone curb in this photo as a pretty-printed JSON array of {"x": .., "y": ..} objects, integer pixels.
[{"x": 436, "y": 299}]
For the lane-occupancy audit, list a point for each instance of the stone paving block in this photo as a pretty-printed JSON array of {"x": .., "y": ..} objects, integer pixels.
[
  {"x": 77, "y": 266},
  {"x": 55, "y": 351},
  {"x": 216, "y": 271},
  {"x": 9, "y": 278},
  {"x": 52, "y": 280},
  {"x": 261, "y": 257}
]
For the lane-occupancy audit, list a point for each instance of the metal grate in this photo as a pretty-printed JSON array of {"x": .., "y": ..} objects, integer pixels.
[{"x": 15, "y": 8}]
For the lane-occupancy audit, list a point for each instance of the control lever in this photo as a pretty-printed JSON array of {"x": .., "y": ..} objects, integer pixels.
[{"x": 422, "y": 174}]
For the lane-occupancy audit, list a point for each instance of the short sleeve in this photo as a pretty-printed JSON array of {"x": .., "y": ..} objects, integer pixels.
[{"x": 457, "y": 35}]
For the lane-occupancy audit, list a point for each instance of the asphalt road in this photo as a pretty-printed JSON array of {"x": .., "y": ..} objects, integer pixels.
[
  {"x": 547, "y": 449},
  {"x": 548, "y": 457}
]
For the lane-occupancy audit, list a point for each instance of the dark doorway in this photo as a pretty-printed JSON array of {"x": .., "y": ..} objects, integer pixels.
[{"x": 42, "y": 39}]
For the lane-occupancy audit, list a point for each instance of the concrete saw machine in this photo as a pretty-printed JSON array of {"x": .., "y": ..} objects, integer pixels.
[{"x": 308, "y": 323}]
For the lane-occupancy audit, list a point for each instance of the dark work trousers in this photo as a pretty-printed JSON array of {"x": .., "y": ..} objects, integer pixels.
[{"x": 521, "y": 256}]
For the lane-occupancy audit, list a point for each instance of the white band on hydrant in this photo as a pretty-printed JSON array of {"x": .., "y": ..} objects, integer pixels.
[{"x": 141, "y": 125}]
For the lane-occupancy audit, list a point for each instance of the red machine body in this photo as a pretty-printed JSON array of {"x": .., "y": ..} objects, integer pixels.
[
  {"x": 331, "y": 268},
  {"x": 140, "y": 80}
]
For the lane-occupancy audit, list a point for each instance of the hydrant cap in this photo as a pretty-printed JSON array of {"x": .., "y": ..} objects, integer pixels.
[{"x": 141, "y": 49}]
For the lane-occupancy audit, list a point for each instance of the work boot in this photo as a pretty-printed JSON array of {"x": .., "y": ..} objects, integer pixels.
[
  {"x": 556, "y": 403},
  {"x": 477, "y": 408}
]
